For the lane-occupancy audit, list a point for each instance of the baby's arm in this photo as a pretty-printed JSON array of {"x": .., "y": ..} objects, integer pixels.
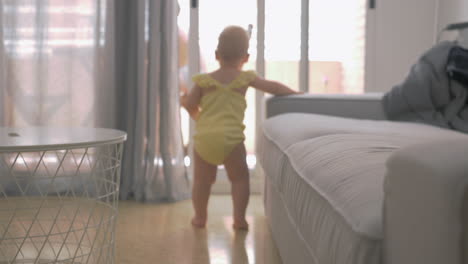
[
  {"x": 272, "y": 87},
  {"x": 191, "y": 100}
]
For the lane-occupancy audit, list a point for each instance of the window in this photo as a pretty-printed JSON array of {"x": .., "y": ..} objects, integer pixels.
[
  {"x": 283, "y": 41},
  {"x": 336, "y": 46},
  {"x": 334, "y": 32}
]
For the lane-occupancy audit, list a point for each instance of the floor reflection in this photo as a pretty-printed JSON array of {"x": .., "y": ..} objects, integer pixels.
[
  {"x": 200, "y": 249},
  {"x": 222, "y": 246},
  {"x": 238, "y": 249},
  {"x": 162, "y": 234}
]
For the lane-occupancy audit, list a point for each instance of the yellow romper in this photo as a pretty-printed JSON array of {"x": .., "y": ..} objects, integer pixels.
[{"x": 220, "y": 128}]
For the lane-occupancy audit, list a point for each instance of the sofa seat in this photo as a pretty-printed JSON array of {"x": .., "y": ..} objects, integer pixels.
[{"x": 329, "y": 174}]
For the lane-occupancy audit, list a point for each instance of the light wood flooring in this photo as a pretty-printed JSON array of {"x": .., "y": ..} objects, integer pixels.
[{"x": 161, "y": 233}]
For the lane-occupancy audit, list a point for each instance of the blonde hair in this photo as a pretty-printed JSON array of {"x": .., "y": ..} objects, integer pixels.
[{"x": 233, "y": 44}]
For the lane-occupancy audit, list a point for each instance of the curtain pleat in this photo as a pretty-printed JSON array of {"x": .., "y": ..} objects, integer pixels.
[{"x": 157, "y": 171}]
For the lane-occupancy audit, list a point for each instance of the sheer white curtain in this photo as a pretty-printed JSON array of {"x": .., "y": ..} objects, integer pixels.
[
  {"x": 57, "y": 63},
  {"x": 99, "y": 63}
]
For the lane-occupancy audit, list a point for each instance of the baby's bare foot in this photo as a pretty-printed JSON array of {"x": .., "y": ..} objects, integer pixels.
[
  {"x": 241, "y": 225},
  {"x": 198, "y": 223}
]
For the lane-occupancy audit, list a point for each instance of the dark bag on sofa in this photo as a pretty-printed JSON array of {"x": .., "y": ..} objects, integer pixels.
[{"x": 457, "y": 65}]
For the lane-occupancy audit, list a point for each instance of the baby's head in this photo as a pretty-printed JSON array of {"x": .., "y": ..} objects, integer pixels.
[{"x": 233, "y": 46}]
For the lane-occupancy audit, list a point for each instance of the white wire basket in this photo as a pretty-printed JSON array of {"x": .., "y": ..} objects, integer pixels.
[{"x": 58, "y": 203}]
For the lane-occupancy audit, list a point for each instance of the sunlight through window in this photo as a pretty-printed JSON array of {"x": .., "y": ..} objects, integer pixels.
[{"x": 336, "y": 46}]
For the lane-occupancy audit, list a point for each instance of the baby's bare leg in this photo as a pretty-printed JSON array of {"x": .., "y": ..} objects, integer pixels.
[
  {"x": 238, "y": 173},
  {"x": 203, "y": 179}
]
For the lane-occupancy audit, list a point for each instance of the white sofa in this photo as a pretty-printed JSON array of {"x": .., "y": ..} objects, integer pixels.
[{"x": 345, "y": 186}]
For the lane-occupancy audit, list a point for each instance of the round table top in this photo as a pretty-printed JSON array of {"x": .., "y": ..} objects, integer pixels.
[{"x": 52, "y": 138}]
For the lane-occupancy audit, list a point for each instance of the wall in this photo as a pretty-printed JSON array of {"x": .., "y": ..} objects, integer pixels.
[
  {"x": 402, "y": 31},
  {"x": 451, "y": 11}
]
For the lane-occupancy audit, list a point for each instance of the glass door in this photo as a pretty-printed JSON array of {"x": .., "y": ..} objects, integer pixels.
[
  {"x": 337, "y": 32},
  {"x": 283, "y": 41},
  {"x": 316, "y": 46}
]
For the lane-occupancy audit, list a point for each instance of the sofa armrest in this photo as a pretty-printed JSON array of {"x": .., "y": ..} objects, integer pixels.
[
  {"x": 425, "y": 204},
  {"x": 365, "y": 106}
]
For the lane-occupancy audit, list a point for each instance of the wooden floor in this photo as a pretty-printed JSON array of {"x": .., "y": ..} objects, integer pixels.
[{"x": 161, "y": 233}]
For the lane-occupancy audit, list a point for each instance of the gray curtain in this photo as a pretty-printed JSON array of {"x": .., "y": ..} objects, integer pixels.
[
  {"x": 147, "y": 76},
  {"x": 99, "y": 63}
]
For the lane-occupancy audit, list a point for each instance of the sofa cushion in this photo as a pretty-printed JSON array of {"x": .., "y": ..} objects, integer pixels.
[
  {"x": 288, "y": 129},
  {"x": 330, "y": 171},
  {"x": 347, "y": 170}
]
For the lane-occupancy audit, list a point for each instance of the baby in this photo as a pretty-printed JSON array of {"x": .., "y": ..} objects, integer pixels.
[{"x": 217, "y": 103}]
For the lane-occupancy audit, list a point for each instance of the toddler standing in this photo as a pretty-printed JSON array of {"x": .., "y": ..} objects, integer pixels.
[{"x": 217, "y": 104}]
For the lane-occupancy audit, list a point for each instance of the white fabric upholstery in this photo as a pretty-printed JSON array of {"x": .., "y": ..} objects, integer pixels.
[
  {"x": 329, "y": 173},
  {"x": 288, "y": 237},
  {"x": 291, "y": 128},
  {"x": 424, "y": 191}
]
